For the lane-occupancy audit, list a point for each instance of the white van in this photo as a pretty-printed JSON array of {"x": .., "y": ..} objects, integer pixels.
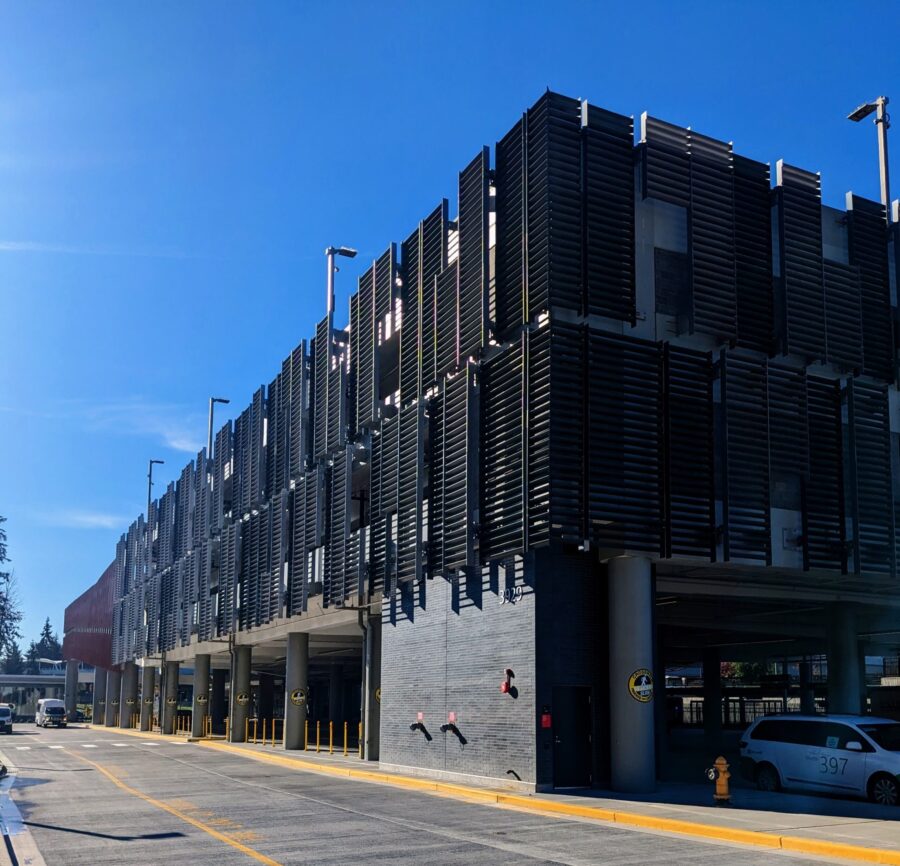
[
  {"x": 50, "y": 711},
  {"x": 851, "y": 755}
]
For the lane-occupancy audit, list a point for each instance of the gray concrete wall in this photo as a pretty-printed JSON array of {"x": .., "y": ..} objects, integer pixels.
[{"x": 445, "y": 647}]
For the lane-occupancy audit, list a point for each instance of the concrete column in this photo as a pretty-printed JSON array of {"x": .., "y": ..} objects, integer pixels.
[
  {"x": 845, "y": 682},
  {"x": 712, "y": 696},
  {"x": 201, "y": 695},
  {"x": 633, "y": 747},
  {"x": 128, "y": 705},
  {"x": 807, "y": 691},
  {"x": 266, "y": 697},
  {"x": 98, "y": 708},
  {"x": 372, "y": 703},
  {"x": 218, "y": 707},
  {"x": 148, "y": 687},
  {"x": 240, "y": 693},
  {"x": 113, "y": 697},
  {"x": 296, "y": 689},
  {"x": 336, "y": 694},
  {"x": 71, "y": 688},
  {"x": 169, "y": 694}
]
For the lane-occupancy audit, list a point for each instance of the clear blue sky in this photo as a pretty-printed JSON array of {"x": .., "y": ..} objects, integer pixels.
[{"x": 170, "y": 174}]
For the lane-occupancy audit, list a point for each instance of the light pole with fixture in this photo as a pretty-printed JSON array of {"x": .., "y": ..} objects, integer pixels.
[
  {"x": 330, "y": 253},
  {"x": 209, "y": 432},
  {"x": 882, "y": 123},
  {"x": 150, "y": 488}
]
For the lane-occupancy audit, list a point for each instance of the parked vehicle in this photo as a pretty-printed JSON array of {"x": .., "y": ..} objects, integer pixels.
[
  {"x": 50, "y": 711},
  {"x": 850, "y": 755},
  {"x": 6, "y": 719}
]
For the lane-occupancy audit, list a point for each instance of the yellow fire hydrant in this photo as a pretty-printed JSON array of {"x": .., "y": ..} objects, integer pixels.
[{"x": 719, "y": 774}]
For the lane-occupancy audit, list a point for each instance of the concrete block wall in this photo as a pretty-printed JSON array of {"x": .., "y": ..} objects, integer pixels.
[{"x": 445, "y": 647}]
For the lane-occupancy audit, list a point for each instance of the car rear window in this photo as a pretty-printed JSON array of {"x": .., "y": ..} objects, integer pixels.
[
  {"x": 5, "y": 712},
  {"x": 887, "y": 736},
  {"x": 54, "y": 711}
]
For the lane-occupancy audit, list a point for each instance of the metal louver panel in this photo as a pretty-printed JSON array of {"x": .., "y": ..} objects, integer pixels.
[
  {"x": 184, "y": 513},
  {"x": 665, "y": 165},
  {"x": 204, "y": 606},
  {"x": 434, "y": 261},
  {"x": 510, "y": 246},
  {"x": 167, "y": 609},
  {"x": 257, "y": 484},
  {"x": 557, "y": 375},
  {"x": 297, "y": 570},
  {"x": 221, "y": 492},
  {"x": 446, "y": 302},
  {"x": 753, "y": 253},
  {"x": 823, "y": 533},
  {"x": 410, "y": 330},
  {"x": 279, "y": 527},
  {"x": 299, "y": 412},
  {"x": 747, "y": 521},
  {"x": 201, "y": 494},
  {"x": 363, "y": 342},
  {"x": 337, "y": 399},
  {"x": 474, "y": 208},
  {"x": 459, "y": 476},
  {"x": 788, "y": 435},
  {"x": 322, "y": 365},
  {"x": 240, "y": 469},
  {"x": 436, "y": 485},
  {"x": 165, "y": 545},
  {"x": 385, "y": 451},
  {"x": 276, "y": 437},
  {"x": 337, "y": 564},
  {"x": 689, "y": 472},
  {"x": 712, "y": 241},
  {"x": 385, "y": 286},
  {"x": 411, "y": 478},
  {"x": 802, "y": 277},
  {"x": 608, "y": 178},
  {"x": 503, "y": 454},
  {"x": 554, "y": 210},
  {"x": 843, "y": 316},
  {"x": 624, "y": 442},
  {"x": 872, "y": 510},
  {"x": 869, "y": 253},
  {"x": 229, "y": 575}
]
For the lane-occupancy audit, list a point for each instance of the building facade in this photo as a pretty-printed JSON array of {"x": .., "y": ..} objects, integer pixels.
[{"x": 630, "y": 405}]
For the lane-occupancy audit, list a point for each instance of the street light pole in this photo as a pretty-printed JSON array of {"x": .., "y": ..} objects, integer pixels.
[
  {"x": 330, "y": 253},
  {"x": 150, "y": 488},
  {"x": 209, "y": 439},
  {"x": 882, "y": 124}
]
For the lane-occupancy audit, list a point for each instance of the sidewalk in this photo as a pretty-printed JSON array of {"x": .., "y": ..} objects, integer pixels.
[{"x": 845, "y": 829}]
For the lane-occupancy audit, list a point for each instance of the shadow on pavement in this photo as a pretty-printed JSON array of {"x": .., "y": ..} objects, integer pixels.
[{"x": 144, "y": 837}]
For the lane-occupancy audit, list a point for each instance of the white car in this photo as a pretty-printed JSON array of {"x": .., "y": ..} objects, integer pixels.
[{"x": 850, "y": 755}]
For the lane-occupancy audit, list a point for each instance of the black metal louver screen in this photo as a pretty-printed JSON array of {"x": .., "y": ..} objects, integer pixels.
[
  {"x": 221, "y": 496},
  {"x": 257, "y": 480},
  {"x": 474, "y": 208},
  {"x": 503, "y": 457},
  {"x": 271, "y": 604},
  {"x": 557, "y": 374},
  {"x": 276, "y": 442},
  {"x": 321, "y": 352},
  {"x": 802, "y": 277},
  {"x": 788, "y": 436},
  {"x": 747, "y": 522},
  {"x": 608, "y": 179},
  {"x": 871, "y": 494},
  {"x": 434, "y": 261},
  {"x": 184, "y": 511},
  {"x": 459, "y": 475},
  {"x": 411, "y": 471},
  {"x": 336, "y": 587},
  {"x": 299, "y": 413},
  {"x": 436, "y": 485},
  {"x": 166, "y": 530},
  {"x": 665, "y": 164},
  {"x": 554, "y": 211},
  {"x": 200, "y": 527},
  {"x": 337, "y": 400},
  {"x": 204, "y": 601},
  {"x": 712, "y": 239},
  {"x": 362, "y": 336},
  {"x": 824, "y": 533},
  {"x": 510, "y": 248},
  {"x": 753, "y": 253},
  {"x": 240, "y": 469},
  {"x": 229, "y": 575},
  {"x": 446, "y": 301},
  {"x": 623, "y": 442},
  {"x": 843, "y": 316},
  {"x": 385, "y": 285},
  {"x": 689, "y": 501},
  {"x": 410, "y": 330},
  {"x": 869, "y": 253}
]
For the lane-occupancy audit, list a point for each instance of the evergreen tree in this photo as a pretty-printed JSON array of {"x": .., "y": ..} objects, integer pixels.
[
  {"x": 48, "y": 643},
  {"x": 10, "y": 615},
  {"x": 14, "y": 663},
  {"x": 32, "y": 665}
]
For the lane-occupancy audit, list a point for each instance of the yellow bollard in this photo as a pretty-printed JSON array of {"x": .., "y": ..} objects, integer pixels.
[
  {"x": 246, "y": 730},
  {"x": 345, "y": 739},
  {"x": 227, "y": 721},
  {"x": 264, "y": 732},
  {"x": 330, "y": 738},
  {"x": 318, "y": 731},
  {"x": 360, "y": 739},
  {"x": 306, "y": 735}
]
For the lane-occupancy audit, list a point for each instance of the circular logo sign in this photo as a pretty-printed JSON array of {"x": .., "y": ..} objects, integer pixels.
[
  {"x": 130, "y": 701},
  {"x": 148, "y": 701},
  {"x": 242, "y": 699},
  {"x": 201, "y": 699},
  {"x": 102, "y": 703},
  {"x": 378, "y": 694},
  {"x": 115, "y": 702},
  {"x": 298, "y": 697},
  {"x": 640, "y": 685},
  {"x": 171, "y": 701}
]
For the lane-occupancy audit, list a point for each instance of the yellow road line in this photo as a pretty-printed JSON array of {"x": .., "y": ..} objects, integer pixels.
[{"x": 244, "y": 849}]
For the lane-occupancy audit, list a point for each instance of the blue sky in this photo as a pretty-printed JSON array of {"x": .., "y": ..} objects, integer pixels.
[{"x": 170, "y": 174}]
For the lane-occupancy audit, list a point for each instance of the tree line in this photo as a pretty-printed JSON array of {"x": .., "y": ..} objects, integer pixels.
[{"x": 47, "y": 646}]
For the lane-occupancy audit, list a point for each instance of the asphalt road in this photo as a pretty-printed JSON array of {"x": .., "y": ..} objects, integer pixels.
[{"x": 91, "y": 797}]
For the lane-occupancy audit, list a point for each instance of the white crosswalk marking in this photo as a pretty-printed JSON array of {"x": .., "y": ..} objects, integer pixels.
[
  {"x": 23, "y": 748},
  {"x": 120, "y": 745},
  {"x": 89, "y": 746},
  {"x": 55, "y": 747}
]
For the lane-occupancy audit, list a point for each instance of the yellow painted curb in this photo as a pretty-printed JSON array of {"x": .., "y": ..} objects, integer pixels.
[
  {"x": 131, "y": 732},
  {"x": 556, "y": 809}
]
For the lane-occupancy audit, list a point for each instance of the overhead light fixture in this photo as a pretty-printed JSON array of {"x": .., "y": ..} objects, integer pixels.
[{"x": 862, "y": 112}]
